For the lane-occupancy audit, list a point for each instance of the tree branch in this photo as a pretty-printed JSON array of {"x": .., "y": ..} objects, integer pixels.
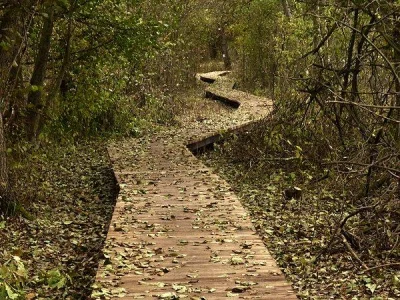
[{"x": 322, "y": 42}]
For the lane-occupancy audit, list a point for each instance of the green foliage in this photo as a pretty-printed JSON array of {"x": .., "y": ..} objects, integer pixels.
[
  {"x": 115, "y": 67},
  {"x": 55, "y": 279},
  {"x": 13, "y": 277},
  {"x": 135, "y": 57},
  {"x": 269, "y": 45},
  {"x": 99, "y": 95}
]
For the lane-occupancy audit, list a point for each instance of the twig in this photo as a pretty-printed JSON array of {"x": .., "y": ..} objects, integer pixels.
[
  {"x": 322, "y": 42},
  {"x": 281, "y": 158},
  {"x": 365, "y": 105},
  {"x": 382, "y": 266},
  {"x": 391, "y": 66},
  {"x": 326, "y": 176},
  {"x": 339, "y": 229},
  {"x": 397, "y": 171},
  {"x": 354, "y": 213},
  {"x": 353, "y": 253},
  {"x": 394, "y": 175}
]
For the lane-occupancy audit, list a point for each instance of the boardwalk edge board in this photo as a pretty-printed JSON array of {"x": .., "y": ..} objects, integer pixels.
[
  {"x": 206, "y": 142},
  {"x": 215, "y": 96}
]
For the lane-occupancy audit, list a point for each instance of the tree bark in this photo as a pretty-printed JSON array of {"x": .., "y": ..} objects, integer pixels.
[
  {"x": 55, "y": 86},
  {"x": 9, "y": 37},
  {"x": 396, "y": 59},
  {"x": 286, "y": 8},
  {"x": 8, "y": 34},
  {"x": 35, "y": 104},
  {"x": 225, "y": 49},
  {"x": 4, "y": 182}
]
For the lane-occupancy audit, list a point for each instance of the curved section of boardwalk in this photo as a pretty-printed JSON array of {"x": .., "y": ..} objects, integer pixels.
[{"x": 178, "y": 231}]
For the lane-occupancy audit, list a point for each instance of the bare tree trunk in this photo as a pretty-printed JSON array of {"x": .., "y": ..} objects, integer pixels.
[
  {"x": 4, "y": 182},
  {"x": 213, "y": 49},
  {"x": 35, "y": 105},
  {"x": 9, "y": 30},
  {"x": 354, "y": 95},
  {"x": 286, "y": 8},
  {"x": 225, "y": 48},
  {"x": 396, "y": 59},
  {"x": 55, "y": 86}
]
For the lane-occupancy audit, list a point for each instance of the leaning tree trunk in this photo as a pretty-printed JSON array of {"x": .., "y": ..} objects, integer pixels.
[
  {"x": 35, "y": 105},
  {"x": 9, "y": 30}
]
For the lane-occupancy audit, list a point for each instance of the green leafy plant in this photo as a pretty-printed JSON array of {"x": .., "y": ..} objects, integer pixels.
[
  {"x": 13, "y": 277},
  {"x": 55, "y": 279}
]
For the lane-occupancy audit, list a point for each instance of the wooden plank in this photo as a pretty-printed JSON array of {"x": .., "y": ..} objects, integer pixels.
[
  {"x": 223, "y": 98},
  {"x": 178, "y": 231},
  {"x": 211, "y": 77}
]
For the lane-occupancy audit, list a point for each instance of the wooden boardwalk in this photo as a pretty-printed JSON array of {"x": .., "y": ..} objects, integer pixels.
[{"x": 178, "y": 231}]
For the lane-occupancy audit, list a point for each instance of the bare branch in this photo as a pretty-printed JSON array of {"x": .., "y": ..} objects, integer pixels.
[
  {"x": 365, "y": 105},
  {"x": 322, "y": 42},
  {"x": 363, "y": 165},
  {"x": 353, "y": 253}
]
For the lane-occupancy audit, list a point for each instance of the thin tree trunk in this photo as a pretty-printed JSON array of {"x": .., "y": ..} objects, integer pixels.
[
  {"x": 396, "y": 59},
  {"x": 286, "y": 8},
  {"x": 4, "y": 182},
  {"x": 55, "y": 86},
  {"x": 354, "y": 83},
  {"x": 9, "y": 30},
  {"x": 35, "y": 104},
  {"x": 350, "y": 50},
  {"x": 346, "y": 75},
  {"x": 225, "y": 49}
]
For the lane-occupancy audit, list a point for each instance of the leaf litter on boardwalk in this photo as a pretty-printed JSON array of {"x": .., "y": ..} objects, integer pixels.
[{"x": 164, "y": 166}]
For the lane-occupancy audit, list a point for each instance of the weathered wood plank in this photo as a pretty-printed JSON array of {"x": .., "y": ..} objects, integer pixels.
[{"x": 178, "y": 231}]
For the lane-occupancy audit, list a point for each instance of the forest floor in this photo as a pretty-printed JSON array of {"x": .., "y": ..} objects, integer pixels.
[
  {"x": 301, "y": 232},
  {"x": 71, "y": 193},
  {"x": 68, "y": 193}
]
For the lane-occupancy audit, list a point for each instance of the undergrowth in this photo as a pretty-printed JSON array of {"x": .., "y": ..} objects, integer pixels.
[
  {"x": 304, "y": 211},
  {"x": 69, "y": 194},
  {"x": 64, "y": 192}
]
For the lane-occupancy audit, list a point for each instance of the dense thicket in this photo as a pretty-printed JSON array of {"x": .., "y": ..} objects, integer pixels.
[
  {"x": 332, "y": 68},
  {"x": 72, "y": 68},
  {"x": 334, "y": 65}
]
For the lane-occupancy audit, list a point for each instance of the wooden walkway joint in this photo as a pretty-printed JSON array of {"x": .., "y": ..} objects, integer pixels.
[{"x": 178, "y": 231}]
